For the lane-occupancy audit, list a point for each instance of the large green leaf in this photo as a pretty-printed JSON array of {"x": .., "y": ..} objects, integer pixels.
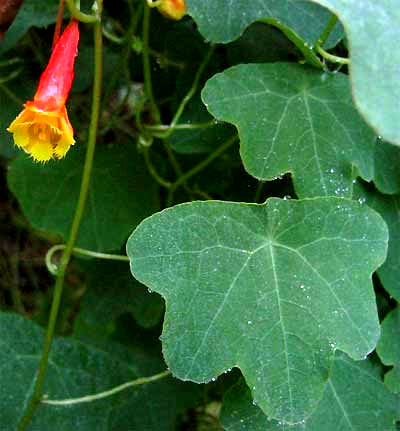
[
  {"x": 38, "y": 13},
  {"x": 224, "y": 20},
  {"x": 121, "y": 194},
  {"x": 389, "y": 208},
  {"x": 272, "y": 289},
  {"x": 388, "y": 348},
  {"x": 354, "y": 399},
  {"x": 294, "y": 119},
  {"x": 373, "y": 29},
  {"x": 75, "y": 370}
]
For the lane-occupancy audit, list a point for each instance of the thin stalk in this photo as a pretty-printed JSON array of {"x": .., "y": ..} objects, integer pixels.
[
  {"x": 332, "y": 58},
  {"x": 259, "y": 189},
  {"x": 59, "y": 20},
  {"x": 146, "y": 66},
  {"x": 105, "y": 394},
  {"x": 172, "y": 159},
  {"x": 307, "y": 50},
  {"x": 127, "y": 39},
  {"x": 199, "y": 167},
  {"x": 10, "y": 94},
  {"x": 328, "y": 29},
  {"x": 10, "y": 62},
  {"x": 80, "y": 16},
  {"x": 194, "y": 87},
  {"x": 53, "y": 269},
  {"x": 152, "y": 170},
  {"x": 189, "y": 126},
  {"x": 41, "y": 374},
  {"x": 11, "y": 76},
  {"x": 189, "y": 94},
  {"x": 203, "y": 164}
]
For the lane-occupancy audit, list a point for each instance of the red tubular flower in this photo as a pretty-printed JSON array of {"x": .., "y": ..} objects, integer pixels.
[{"x": 43, "y": 129}]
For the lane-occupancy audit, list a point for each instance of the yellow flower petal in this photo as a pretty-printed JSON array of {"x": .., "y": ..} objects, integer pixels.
[
  {"x": 62, "y": 147},
  {"x": 42, "y": 134},
  {"x": 21, "y": 136},
  {"x": 41, "y": 151}
]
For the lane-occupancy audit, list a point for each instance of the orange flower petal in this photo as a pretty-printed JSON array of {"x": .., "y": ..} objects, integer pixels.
[{"x": 174, "y": 9}]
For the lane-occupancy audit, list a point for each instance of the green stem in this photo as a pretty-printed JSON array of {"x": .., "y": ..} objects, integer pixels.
[
  {"x": 172, "y": 159},
  {"x": 41, "y": 374},
  {"x": 259, "y": 189},
  {"x": 80, "y": 16},
  {"x": 193, "y": 89},
  {"x": 305, "y": 48},
  {"x": 328, "y": 29},
  {"x": 105, "y": 394},
  {"x": 53, "y": 269},
  {"x": 199, "y": 167},
  {"x": 127, "y": 39},
  {"x": 11, "y": 76},
  {"x": 10, "y": 62},
  {"x": 112, "y": 37},
  {"x": 188, "y": 95},
  {"x": 189, "y": 126},
  {"x": 332, "y": 58},
  {"x": 152, "y": 170},
  {"x": 146, "y": 66}
]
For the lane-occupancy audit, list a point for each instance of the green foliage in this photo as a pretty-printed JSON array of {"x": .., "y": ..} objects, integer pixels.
[
  {"x": 387, "y": 160},
  {"x": 389, "y": 208},
  {"x": 305, "y": 124},
  {"x": 224, "y": 21},
  {"x": 121, "y": 195},
  {"x": 229, "y": 260},
  {"x": 250, "y": 153},
  {"x": 372, "y": 29},
  {"x": 111, "y": 292},
  {"x": 389, "y": 350},
  {"x": 77, "y": 369},
  {"x": 33, "y": 13},
  {"x": 354, "y": 399}
]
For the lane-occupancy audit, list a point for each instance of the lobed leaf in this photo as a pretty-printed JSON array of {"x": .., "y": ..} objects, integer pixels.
[
  {"x": 222, "y": 21},
  {"x": 272, "y": 289},
  {"x": 354, "y": 399},
  {"x": 294, "y": 119}
]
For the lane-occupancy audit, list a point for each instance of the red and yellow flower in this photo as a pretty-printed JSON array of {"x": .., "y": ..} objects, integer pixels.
[
  {"x": 43, "y": 129},
  {"x": 174, "y": 9}
]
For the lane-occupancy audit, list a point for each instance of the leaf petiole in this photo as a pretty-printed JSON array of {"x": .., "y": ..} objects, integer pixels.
[
  {"x": 53, "y": 268},
  {"x": 108, "y": 393}
]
